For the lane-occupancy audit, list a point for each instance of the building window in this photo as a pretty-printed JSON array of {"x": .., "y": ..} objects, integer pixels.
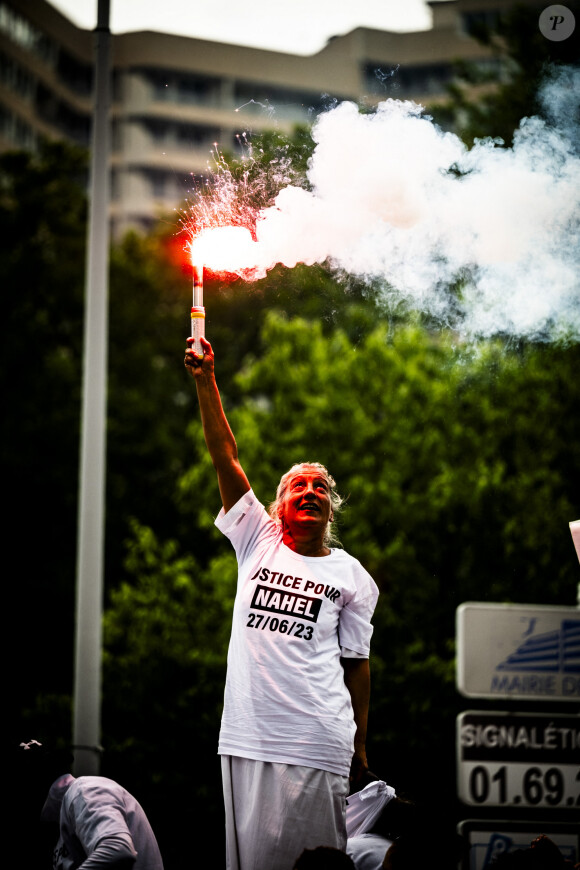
[
  {"x": 74, "y": 74},
  {"x": 158, "y": 182},
  {"x": 279, "y": 102},
  {"x": 477, "y": 24},
  {"x": 184, "y": 88},
  {"x": 115, "y": 191},
  {"x": 180, "y": 135},
  {"x": 380, "y": 79},
  {"x": 58, "y": 114},
  {"x": 17, "y": 131},
  {"x": 21, "y": 32},
  {"x": 408, "y": 81},
  {"x": 195, "y": 135},
  {"x": 16, "y": 79}
]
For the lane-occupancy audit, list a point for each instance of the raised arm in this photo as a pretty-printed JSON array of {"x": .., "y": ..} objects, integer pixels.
[{"x": 232, "y": 481}]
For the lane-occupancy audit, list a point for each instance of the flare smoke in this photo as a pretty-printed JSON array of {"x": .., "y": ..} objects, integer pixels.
[{"x": 397, "y": 200}]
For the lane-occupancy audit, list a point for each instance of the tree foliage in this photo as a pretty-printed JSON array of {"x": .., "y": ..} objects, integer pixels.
[
  {"x": 460, "y": 485},
  {"x": 507, "y": 90},
  {"x": 42, "y": 222},
  {"x": 458, "y": 463}
]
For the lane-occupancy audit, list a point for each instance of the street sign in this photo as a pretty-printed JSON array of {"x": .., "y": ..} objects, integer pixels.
[
  {"x": 518, "y": 760},
  {"x": 487, "y": 839},
  {"x": 518, "y": 652}
]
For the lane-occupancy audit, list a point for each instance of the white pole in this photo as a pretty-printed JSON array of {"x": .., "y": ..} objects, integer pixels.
[{"x": 89, "y": 603}]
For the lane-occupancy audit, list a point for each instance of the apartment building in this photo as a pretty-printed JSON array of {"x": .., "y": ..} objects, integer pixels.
[{"x": 174, "y": 97}]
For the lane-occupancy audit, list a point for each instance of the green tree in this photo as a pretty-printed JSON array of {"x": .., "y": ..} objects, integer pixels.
[
  {"x": 508, "y": 90},
  {"x": 457, "y": 463},
  {"x": 166, "y": 635},
  {"x": 42, "y": 222},
  {"x": 460, "y": 485}
]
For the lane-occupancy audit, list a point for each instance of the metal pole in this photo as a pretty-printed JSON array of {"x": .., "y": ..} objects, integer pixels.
[{"x": 89, "y": 602}]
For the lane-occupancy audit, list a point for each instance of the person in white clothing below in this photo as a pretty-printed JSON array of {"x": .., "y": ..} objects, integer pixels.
[
  {"x": 294, "y": 723},
  {"x": 99, "y": 824},
  {"x": 376, "y": 818}
]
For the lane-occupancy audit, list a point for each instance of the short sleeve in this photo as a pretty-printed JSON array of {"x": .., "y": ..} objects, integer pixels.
[
  {"x": 355, "y": 633},
  {"x": 227, "y": 522},
  {"x": 351, "y": 654},
  {"x": 246, "y": 524},
  {"x": 355, "y": 628}
]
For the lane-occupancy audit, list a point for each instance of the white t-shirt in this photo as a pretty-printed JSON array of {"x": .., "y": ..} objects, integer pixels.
[{"x": 285, "y": 696}]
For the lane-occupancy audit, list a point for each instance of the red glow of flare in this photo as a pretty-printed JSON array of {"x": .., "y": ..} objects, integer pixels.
[
  {"x": 222, "y": 276},
  {"x": 179, "y": 255}
]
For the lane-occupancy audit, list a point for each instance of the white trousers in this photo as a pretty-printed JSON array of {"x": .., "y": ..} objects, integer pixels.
[{"x": 274, "y": 811}]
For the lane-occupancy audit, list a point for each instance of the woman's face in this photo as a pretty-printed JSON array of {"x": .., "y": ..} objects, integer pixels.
[{"x": 306, "y": 501}]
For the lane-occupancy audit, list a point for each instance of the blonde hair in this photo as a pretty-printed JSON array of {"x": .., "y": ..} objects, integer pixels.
[{"x": 336, "y": 501}]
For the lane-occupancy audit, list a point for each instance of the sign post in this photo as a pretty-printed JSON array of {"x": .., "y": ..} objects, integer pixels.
[
  {"x": 518, "y": 760},
  {"x": 526, "y": 764},
  {"x": 518, "y": 652},
  {"x": 488, "y": 839}
]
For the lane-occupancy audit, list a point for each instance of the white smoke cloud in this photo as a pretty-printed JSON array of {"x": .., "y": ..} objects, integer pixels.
[{"x": 384, "y": 205}]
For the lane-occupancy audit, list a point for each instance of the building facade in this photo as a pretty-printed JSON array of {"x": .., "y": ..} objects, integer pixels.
[{"x": 175, "y": 98}]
